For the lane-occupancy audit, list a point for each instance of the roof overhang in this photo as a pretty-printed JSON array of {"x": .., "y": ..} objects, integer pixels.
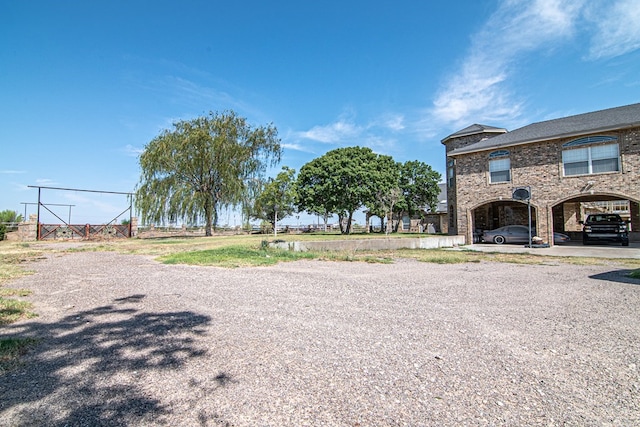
[{"x": 470, "y": 149}]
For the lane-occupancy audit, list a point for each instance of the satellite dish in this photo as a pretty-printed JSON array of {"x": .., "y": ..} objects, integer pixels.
[{"x": 521, "y": 193}]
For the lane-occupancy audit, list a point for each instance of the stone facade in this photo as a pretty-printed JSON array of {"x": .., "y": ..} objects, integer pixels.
[
  {"x": 453, "y": 171},
  {"x": 555, "y": 198},
  {"x": 27, "y": 231}
]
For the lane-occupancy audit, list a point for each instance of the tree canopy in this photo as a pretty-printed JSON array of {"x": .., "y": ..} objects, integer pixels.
[
  {"x": 201, "y": 165},
  {"x": 346, "y": 179},
  {"x": 277, "y": 198},
  {"x": 419, "y": 184},
  {"x": 342, "y": 181},
  {"x": 10, "y": 216}
]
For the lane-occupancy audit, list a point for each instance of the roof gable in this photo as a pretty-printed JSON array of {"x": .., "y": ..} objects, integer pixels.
[
  {"x": 474, "y": 129},
  {"x": 597, "y": 121}
]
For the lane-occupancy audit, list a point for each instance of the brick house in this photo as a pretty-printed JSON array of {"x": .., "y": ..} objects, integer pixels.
[{"x": 570, "y": 166}]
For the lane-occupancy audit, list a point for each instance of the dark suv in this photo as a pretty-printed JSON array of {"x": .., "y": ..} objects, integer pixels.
[{"x": 605, "y": 227}]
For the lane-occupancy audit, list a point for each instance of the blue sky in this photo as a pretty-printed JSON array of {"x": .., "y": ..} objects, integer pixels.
[{"x": 84, "y": 85}]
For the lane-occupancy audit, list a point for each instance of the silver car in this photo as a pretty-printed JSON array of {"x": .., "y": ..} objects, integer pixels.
[{"x": 516, "y": 234}]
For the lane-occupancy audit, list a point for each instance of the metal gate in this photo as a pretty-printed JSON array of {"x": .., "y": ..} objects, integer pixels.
[
  {"x": 65, "y": 230},
  {"x": 86, "y": 231}
]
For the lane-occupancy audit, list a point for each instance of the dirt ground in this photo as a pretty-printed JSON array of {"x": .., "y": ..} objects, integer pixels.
[{"x": 124, "y": 340}]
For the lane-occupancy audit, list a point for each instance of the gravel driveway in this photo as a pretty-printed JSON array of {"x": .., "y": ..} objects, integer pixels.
[{"x": 128, "y": 341}]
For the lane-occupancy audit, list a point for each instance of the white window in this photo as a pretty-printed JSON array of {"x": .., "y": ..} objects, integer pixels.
[
  {"x": 591, "y": 159},
  {"x": 499, "y": 167},
  {"x": 450, "y": 173}
]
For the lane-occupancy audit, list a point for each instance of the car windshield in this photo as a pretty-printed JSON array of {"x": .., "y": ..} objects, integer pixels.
[{"x": 603, "y": 218}]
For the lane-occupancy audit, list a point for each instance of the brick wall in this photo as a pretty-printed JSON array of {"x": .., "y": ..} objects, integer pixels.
[
  {"x": 453, "y": 144},
  {"x": 539, "y": 165}
]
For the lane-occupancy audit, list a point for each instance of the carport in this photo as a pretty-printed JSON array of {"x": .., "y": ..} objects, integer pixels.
[
  {"x": 499, "y": 213},
  {"x": 568, "y": 213}
]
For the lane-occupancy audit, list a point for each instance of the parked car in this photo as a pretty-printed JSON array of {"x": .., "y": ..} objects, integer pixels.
[
  {"x": 605, "y": 227},
  {"x": 516, "y": 234}
]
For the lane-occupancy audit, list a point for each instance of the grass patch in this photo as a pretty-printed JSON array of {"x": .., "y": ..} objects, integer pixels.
[
  {"x": 235, "y": 256},
  {"x": 242, "y": 250},
  {"x": 635, "y": 274},
  {"x": 11, "y": 349},
  {"x": 12, "y": 310},
  {"x": 11, "y": 260},
  {"x": 439, "y": 256},
  {"x": 13, "y": 256},
  {"x": 11, "y": 265},
  {"x": 9, "y": 292}
]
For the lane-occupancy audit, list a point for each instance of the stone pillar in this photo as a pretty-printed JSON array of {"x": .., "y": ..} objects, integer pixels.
[
  {"x": 634, "y": 211},
  {"x": 571, "y": 216},
  {"x": 134, "y": 226},
  {"x": 27, "y": 231}
]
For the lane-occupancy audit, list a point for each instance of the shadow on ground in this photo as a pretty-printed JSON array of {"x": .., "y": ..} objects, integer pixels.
[
  {"x": 620, "y": 276},
  {"x": 89, "y": 368}
]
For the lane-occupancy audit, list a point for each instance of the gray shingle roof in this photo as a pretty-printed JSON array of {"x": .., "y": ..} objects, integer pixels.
[
  {"x": 597, "y": 121},
  {"x": 474, "y": 129}
]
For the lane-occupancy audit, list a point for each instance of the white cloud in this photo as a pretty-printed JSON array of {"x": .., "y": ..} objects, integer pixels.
[
  {"x": 333, "y": 133},
  {"x": 20, "y": 187},
  {"x": 618, "y": 28},
  {"x": 480, "y": 91},
  {"x": 132, "y": 151},
  {"x": 12, "y": 172},
  {"x": 297, "y": 147},
  {"x": 45, "y": 182},
  {"x": 346, "y": 131},
  {"x": 392, "y": 121},
  {"x": 380, "y": 144}
]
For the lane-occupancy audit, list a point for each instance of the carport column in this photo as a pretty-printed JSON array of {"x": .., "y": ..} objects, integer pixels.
[
  {"x": 468, "y": 234},
  {"x": 634, "y": 211},
  {"x": 547, "y": 226}
]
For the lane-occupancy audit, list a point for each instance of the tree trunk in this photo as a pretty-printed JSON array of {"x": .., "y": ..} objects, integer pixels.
[
  {"x": 208, "y": 213},
  {"x": 348, "y": 227}
]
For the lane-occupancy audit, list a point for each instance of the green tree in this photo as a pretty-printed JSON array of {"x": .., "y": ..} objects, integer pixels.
[
  {"x": 385, "y": 206},
  {"x": 342, "y": 181},
  {"x": 10, "y": 216},
  {"x": 387, "y": 193},
  {"x": 277, "y": 198},
  {"x": 419, "y": 184},
  {"x": 252, "y": 189},
  {"x": 202, "y": 165}
]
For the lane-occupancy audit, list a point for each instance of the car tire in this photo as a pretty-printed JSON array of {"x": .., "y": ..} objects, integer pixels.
[
  {"x": 625, "y": 243},
  {"x": 498, "y": 240}
]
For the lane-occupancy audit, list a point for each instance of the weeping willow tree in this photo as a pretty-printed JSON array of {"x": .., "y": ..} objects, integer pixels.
[{"x": 201, "y": 166}]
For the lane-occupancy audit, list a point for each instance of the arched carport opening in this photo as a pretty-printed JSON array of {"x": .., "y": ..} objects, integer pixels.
[
  {"x": 500, "y": 213},
  {"x": 568, "y": 213}
]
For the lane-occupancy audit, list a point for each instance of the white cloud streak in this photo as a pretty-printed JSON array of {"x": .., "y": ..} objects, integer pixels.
[
  {"x": 393, "y": 122},
  {"x": 45, "y": 182},
  {"x": 379, "y": 134},
  {"x": 333, "y": 133},
  {"x": 132, "y": 151},
  {"x": 618, "y": 29},
  {"x": 480, "y": 90},
  {"x": 297, "y": 147}
]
